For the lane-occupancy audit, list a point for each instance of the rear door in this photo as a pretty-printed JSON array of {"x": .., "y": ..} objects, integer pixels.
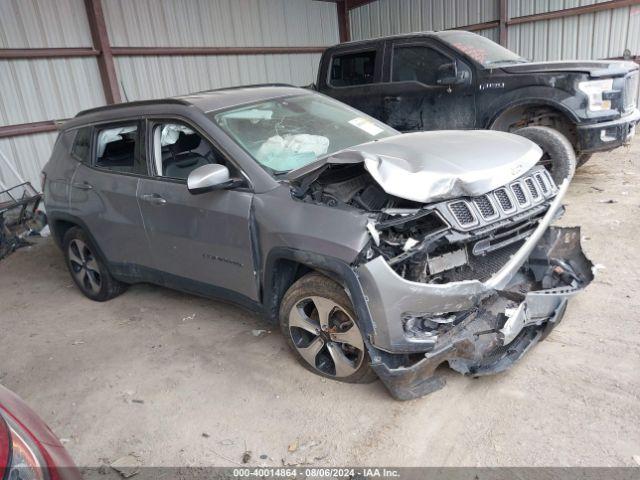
[
  {"x": 353, "y": 76},
  {"x": 103, "y": 194},
  {"x": 201, "y": 242},
  {"x": 414, "y": 100}
]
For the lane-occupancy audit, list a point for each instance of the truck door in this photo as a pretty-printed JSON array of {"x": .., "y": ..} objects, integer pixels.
[
  {"x": 352, "y": 75},
  {"x": 427, "y": 89}
]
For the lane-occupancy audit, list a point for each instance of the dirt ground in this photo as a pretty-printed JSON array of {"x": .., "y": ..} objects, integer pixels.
[{"x": 182, "y": 381}]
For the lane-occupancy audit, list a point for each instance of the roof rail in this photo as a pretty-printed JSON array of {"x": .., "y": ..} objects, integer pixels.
[
  {"x": 139, "y": 103},
  {"x": 236, "y": 87}
]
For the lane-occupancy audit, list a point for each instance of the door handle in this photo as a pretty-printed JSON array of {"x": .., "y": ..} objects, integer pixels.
[
  {"x": 154, "y": 199},
  {"x": 82, "y": 186},
  {"x": 391, "y": 99}
]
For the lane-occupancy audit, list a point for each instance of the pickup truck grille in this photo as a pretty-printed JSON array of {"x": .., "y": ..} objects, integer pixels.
[{"x": 630, "y": 96}]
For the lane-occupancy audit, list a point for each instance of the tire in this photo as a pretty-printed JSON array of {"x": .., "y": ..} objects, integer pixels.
[
  {"x": 87, "y": 269},
  {"x": 313, "y": 343},
  {"x": 583, "y": 158},
  {"x": 559, "y": 157}
]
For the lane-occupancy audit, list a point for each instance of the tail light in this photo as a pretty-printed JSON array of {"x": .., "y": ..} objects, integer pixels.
[
  {"x": 19, "y": 455},
  {"x": 5, "y": 448}
]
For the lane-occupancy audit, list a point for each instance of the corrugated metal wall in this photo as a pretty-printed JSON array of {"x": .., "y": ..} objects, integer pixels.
[
  {"x": 589, "y": 36},
  {"x": 152, "y": 77},
  {"x": 223, "y": 23},
  {"x": 389, "y": 17},
  {"x": 46, "y": 89},
  {"x": 43, "y": 89}
]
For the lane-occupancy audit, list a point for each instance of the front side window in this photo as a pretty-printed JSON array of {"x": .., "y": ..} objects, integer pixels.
[
  {"x": 82, "y": 145},
  {"x": 116, "y": 149},
  {"x": 287, "y": 133},
  {"x": 418, "y": 63},
  {"x": 178, "y": 150},
  {"x": 353, "y": 69}
]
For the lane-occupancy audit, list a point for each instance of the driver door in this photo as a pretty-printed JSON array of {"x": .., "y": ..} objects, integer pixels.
[
  {"x": 414, "y": 99},
  {"x": 199, "y": 243}
]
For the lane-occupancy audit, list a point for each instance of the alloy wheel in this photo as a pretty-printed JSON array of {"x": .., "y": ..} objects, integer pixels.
[
  {"x": 326, "y": 336},
  {"x": 84, "y": 266}
]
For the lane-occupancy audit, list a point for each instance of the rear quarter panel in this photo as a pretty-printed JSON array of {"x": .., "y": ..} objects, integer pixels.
[{"x": 59, "y": 171}]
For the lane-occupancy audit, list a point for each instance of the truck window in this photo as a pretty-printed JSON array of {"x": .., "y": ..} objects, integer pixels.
[
  {"x": 417, "y": 63},
  {"x": 353, "y": 69}
]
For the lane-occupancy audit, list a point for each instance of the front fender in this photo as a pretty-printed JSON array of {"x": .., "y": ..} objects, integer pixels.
[
  {"x": 560, "y": 100},
  {"x": 276, "y": 281}
]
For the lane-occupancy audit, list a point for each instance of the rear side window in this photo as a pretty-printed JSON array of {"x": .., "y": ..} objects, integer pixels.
[
  {"x": 117, "y": 149},
  {"x": 418, "y": 63},
  {"x": 353, "y": 69},
  {"x": 81, "y": 148}
]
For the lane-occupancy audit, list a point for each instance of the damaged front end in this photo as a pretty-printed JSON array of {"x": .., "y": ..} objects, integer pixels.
[
  {"x": 479, "y": 325},
  {"x": 470, "y": 273}
]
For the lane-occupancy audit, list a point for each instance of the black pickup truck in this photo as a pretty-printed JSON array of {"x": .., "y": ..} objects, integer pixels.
[{"x": 460, "y": 80}]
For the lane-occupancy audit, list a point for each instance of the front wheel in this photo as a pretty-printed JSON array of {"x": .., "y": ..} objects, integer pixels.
[
  {"x": 558, "y": 156},
  {"x": 319, "y": 325}
]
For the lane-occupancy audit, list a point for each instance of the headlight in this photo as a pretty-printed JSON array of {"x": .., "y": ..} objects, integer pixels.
[{"x": 595, "y": 89}]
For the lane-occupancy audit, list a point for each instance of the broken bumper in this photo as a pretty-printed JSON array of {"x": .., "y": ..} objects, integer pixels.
[
  {"x": 499, "y": 320},
  {"x": 608, "y": 135}
]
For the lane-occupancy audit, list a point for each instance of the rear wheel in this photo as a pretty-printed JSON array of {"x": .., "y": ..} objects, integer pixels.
[
  {"x": 558, "y": 156},
  {"x": 88, "y": 271},
  {"x": 318, "y": 322}
]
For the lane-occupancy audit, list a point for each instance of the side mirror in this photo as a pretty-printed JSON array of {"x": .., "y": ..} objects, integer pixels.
[
  {"x": 209, "y": 177},
  {"x": 448, "y": 74}
]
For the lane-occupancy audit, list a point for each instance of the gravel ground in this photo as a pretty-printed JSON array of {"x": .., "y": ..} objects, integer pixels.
[{"x": 182, "y": 381}]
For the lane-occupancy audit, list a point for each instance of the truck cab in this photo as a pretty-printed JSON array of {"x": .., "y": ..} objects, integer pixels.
[{"x": 460, "y": 80}]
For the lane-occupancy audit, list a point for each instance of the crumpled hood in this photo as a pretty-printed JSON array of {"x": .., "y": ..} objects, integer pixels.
[{"x": 439, "y": 165}]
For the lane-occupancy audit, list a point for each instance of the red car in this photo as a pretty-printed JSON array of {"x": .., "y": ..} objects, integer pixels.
[{"x": 28, "y": 448}]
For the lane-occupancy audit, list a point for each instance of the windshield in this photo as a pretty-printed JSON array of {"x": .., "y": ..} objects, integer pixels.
[
  {"x": 481, "y": 49},
  {"x": 288, "y": 133}
]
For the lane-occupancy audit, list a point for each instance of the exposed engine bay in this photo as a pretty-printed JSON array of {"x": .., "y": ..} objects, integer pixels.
[{"x": 459, "y": 239}]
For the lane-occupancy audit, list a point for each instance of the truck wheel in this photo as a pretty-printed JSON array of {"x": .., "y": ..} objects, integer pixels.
[
  {"x": 558, "y": 156},
  {"x": 318, "y": 323},
  {"x": 88, "y": 271}
]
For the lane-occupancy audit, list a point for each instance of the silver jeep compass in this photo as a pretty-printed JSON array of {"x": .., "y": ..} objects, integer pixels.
[{"x": 379, "y": 254}]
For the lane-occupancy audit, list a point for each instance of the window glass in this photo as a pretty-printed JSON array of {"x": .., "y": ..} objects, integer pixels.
[
  {"x": 178, "y": 150},
  {"x": 116, "y": 149},
  {"x": 287, "y": 133},
  {"x": 82, "y": 145},
  {"x": 418, "y": 63},
  {"x": 353, "y": 69}
]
